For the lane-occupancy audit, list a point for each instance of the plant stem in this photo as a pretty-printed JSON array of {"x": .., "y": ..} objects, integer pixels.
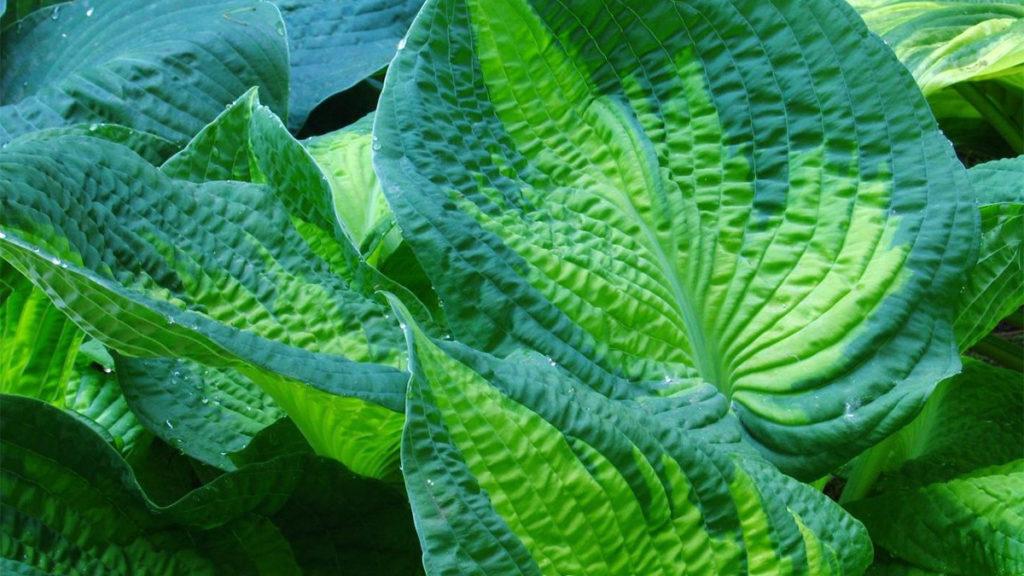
[{"x": 1013, "y": 134}]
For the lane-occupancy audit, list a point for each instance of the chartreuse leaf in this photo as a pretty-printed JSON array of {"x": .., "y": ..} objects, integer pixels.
[
  {"x": 946, "y": 493},
  {"x": 38, "y": 343},
  {"x": 969, "y": 525},
  {"x": 996, "y": 286},
  {"x": 944, "y": 42},
  {"x": 40, "y": 358},
  {"x": 215, "y": 273},
  {"x": 81, "y": 511},
  {"x": 345, "y": 156},
  {"x": 514, "y": 467},
  {"x": 754, "y": 194},
  {"x": 334, "y": 45},
  {"x": 94, "y": 393},
  {"x": 192, "y": 59}
]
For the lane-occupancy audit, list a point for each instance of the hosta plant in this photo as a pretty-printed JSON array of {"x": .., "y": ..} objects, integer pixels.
[{"x": 579, "y": 287}]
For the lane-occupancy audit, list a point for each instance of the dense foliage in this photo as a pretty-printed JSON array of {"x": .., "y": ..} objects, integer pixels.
[{"x": 587, "y": 287}]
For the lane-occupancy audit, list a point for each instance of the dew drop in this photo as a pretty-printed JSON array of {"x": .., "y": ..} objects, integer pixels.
[
  {"x": 56, "y": 13},
  {"x": 430, "y": 482},
  {"x": 205, "y": 400},
  {"x": 375, "y": 144},
  {"x": 63, "y": 34},
  {"x": 401, "y": 43},
  {"x": 94, "y": 127},
  {"x": 55, "y": 261},
  {"x": 89, "y": 12},
  {"x": 169, "y": 425},
  {"x": 552, "y": 362},
  {"x": 2, "y": 235}
]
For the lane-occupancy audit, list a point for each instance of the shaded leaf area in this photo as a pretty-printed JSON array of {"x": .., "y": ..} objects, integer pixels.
[
  {"x": 514, "y": 467},
  {"x": 335, "y": 45},
  {"x": 82, "y": 511},
  {"x": 217, "y": 273},
  {"x": 207, "y": 413},
  {"x": 995, "y": 288},
  {"x": 946, "y": 493},
  {"x": 657, "y": 193},
  {"x": 193, "y": 59}
]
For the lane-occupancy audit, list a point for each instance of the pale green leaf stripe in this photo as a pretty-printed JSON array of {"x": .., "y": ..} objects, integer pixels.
[
  {"x": 334, "y": 45},
  {"x": 210, "y": 272},
  {"x": 193, "y": 59},
  {"x": 973, "y": 524},
  {"x": 995, "y": 288},
  {"x": 971, "y": 421},
  {"x": 207, "y": 413},
  {"x": 513, "y": 467},
  {"x": 944, "y": 42},
  {"x": 752, "y": 193}
]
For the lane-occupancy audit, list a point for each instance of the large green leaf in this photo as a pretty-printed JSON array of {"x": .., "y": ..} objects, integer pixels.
[
  {"x": 514, "y": 467},
  {"x": 944, "y": 42},
  {"x": 334, "y": 45},
  {"x": 215, "y": 273},
  {"x": 752, "y": 193},
  {"x": 995, "y": 288},
  {"x": 946, "y": 493},
  {"x": 159, "y": 66},
  {"x": 82, "y": 511}
]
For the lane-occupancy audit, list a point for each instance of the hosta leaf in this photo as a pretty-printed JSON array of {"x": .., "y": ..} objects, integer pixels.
[
  {"x": 94, "y": 393},
  {"x": 344, "y": 155},
  {"x": 751, "y": 193},
  {"x": 207, "y": 413},
  {"x": 151, "y": 147},
  {"x": 972, "y": 524},
  {"x": 192, "y": 59},
  {"x": 996, "y": 286},
  {"x": 512, "y": 467},
  {"x": 944, "y": 42},
  {"x": 334, "y": 45},
  {"x": 971, "y": 421},
  {"x": 38, "y": 342},
  {"x": 215, "y": 273}
]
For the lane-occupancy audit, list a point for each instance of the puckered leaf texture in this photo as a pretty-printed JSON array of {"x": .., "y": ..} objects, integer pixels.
[{"x": 751, "y": 194}]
